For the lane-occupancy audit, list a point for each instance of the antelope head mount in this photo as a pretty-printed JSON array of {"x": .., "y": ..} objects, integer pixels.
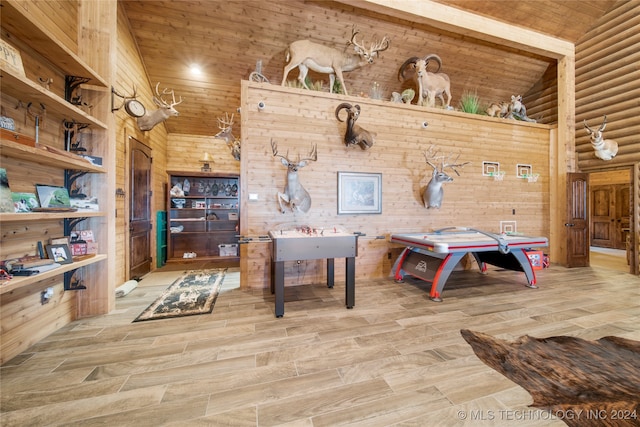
[
  {"x": 433, "y": 193},
  {"x": 165, "y": 110},
  {"x": 606, "y": 149},
  {"x": 295, "y": 197}
]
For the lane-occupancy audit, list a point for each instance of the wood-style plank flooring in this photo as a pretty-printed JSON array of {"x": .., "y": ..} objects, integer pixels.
[{"x": 396, "y": 358}]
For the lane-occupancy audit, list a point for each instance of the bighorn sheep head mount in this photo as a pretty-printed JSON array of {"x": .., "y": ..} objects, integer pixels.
[
  {"x": 166, "y": 110},
  {"x": 605, "y": 149},
  {"x": 308, "y": 55},
  {"x": 354, "y": 135},
  {"x": 295, "y": 197},
  {"x": 226, "y": 126},
  {"x": 433, "y": 193},
  {"x": 428, "y": 85}
]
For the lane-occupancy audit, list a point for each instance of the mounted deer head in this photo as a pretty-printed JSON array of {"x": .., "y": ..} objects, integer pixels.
[
  {"x": 433, "y": 193},
  {"x": 166, "y": 110},
  {"x": 307, "y": 55},
  {"x": 605, "y": 149},
  {"x": 226, "y": 125},
  {"x": 294, "y": 196}
]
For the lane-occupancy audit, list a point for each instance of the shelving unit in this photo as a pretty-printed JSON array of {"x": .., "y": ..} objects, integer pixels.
[
  {"x": 29, "y": 163},
  {"x": 205, "y": 220}
]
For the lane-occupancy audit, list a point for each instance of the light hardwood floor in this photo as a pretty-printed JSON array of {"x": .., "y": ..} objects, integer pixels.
[{"x": 396, "y": 358}]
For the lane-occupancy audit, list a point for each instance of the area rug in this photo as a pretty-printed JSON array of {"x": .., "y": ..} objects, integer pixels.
[
  {"x": 581, "y": 382},
  {"x": 195, "y": 292}
]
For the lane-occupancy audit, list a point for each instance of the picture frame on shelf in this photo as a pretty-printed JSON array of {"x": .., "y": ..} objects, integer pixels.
[
  {"x": 53, "y": 196},
  {"x": 24, "y": 202},
  {"x": 359, "y": 193},
  {"x": 60, "y": 253}
]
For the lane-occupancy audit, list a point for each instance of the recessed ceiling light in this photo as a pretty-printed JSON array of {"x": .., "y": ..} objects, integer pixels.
[{"x": 195, "y": 69}]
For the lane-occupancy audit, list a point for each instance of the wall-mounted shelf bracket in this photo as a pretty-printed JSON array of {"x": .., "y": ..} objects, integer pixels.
[{"x": 70, "y": 284}]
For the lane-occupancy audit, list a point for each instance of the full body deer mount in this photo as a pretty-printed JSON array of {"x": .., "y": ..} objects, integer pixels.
[
  {"x": 226, "y": 125},
  {"x": 429, "y": 85},
  {"x": 606, "y": 149},
  {"x": 166, "y": 110},
  {"x": 354, "y": 135},
  {"x": 433, "y": 193},
  {"x": 295, "y": 197},
  {"x": 307, "y": 55}
]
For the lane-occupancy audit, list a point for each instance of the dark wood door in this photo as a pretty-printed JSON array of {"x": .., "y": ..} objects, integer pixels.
[
  {"x": 139, "y": 209},
  {"x": 577, "y": 220},
  {"x": 623, "y": 215},
  {"x": 610, "y": 215},
  {"x": 603, "y": 216}
]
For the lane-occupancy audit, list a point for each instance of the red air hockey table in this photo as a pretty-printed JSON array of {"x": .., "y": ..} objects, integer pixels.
[{"x": 432, "y": 256}]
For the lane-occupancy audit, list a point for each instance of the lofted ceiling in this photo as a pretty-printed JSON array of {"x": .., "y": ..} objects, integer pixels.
[{"x": 228, "y": 37}]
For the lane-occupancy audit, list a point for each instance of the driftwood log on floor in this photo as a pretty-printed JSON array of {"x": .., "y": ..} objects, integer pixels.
[{"x": 584, "y": 383}]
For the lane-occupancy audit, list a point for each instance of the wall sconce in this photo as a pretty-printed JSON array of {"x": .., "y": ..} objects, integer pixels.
[{"x": 205, "y": 162}]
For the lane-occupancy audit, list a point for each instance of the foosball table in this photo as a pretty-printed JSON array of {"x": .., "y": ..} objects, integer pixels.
[{"x": 307, "y": 243}]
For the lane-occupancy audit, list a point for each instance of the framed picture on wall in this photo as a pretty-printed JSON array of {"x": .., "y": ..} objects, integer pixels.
[{"x": 359, "y": 193}]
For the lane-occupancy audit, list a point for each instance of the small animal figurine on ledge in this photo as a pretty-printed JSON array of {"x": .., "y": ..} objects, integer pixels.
[{"x": 605, "y": 149}]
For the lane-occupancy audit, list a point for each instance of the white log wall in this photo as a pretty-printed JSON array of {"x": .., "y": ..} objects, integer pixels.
[{"x": 296, "y": 119}]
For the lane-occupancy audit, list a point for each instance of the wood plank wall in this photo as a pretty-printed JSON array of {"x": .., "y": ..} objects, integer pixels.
[
  {"x": 296, "y": 118},
  {"x": 132, "y": 74},
  {"x": 608, "y": 83}
]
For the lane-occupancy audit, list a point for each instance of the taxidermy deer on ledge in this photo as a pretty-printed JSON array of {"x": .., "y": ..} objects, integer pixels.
[
  {"x": 294, "y": 196},
  {"x": 430, "y": 85},
  {"x": 166, "y": 110},
  {"x": 307, "y": 55},
  {"x": 605, "y": 149},
  {"x": 354, "y": 135},
  {"x": 433, "y": 193}
]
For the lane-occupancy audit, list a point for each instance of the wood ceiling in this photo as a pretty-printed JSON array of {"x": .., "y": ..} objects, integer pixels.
[{"x": 227, "y": 38}]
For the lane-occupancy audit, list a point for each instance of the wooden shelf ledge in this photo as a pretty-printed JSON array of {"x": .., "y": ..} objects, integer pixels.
[
  {"x": 16, "y": 18},
  {"x": 46, "y": 156},
  {"x": 21, "y": 281}
]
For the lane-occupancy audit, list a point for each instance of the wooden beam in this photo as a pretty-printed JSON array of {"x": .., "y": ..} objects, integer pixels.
[{"x": 469, "y": 24}]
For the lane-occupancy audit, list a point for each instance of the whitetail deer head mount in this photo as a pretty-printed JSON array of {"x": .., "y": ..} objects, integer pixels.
[
  {"x": 165, "y": 110},
  {"x": 226, "y": 126},
  {"x": 354, "y": 134},
  {"x": 308, "y": 55},
  {"x": 433, "y": 193},
  {"x": 295, "y": 197},
  {"x": 605, "y": 149}
]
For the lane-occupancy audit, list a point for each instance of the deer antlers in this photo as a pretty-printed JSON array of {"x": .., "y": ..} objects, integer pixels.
[
  {"x": 445, "y": 160},
  {"x": 375, "y": 47},
  {"x": 312, "y": 156},
  {"x": 160, "y": 101}
]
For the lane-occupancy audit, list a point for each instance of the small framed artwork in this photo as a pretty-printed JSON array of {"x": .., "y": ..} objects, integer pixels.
[
  {"x": 359, "y": 193},
  {"x": 60, "y": 254}
]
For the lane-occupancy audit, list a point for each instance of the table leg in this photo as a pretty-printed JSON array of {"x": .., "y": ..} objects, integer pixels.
[
  {"x": 330, "y": 272},
  {"x": 350, "y": 282},
  {"x": 278, "y": 284},
  {"x": 525, "y": 263},
  {"x": 445, "y": 269}
]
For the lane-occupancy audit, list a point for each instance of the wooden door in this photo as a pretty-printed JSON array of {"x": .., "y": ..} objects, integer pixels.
[
  {"x": 139, "y": 209},
  {"x": 603, "y": 216},
  {"x": 577, "y": 220},
  {"x": 622, "y": 215}
]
